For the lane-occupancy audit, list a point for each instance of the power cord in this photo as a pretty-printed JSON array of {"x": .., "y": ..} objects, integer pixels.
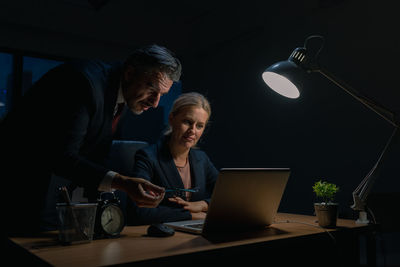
[
  {"x": 378, "y": 236},
  {"x": 321, "y": 38}
]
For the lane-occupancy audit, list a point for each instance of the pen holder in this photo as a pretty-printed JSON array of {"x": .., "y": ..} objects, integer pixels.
[{"x": 76, "y": 222}]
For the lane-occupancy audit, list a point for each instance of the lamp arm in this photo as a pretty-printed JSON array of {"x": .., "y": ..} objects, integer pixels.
[
  {"x": 372, "y": 105},
  {"x": 360, "y": 194}
]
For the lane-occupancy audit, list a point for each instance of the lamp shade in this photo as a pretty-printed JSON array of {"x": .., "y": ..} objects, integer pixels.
[
  {"x": 286, "y": 77},
  {"x": 281, "y": 77}
]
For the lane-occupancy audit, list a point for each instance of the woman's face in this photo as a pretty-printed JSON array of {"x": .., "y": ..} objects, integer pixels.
[{"x": 187, "y": 126}]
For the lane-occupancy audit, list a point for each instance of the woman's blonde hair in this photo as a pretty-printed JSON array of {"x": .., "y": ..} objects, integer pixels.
[{"x": 187, "y": 100}]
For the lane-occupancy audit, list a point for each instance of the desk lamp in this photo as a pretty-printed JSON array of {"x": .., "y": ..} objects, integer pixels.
[{"x": 285, "y": 78}]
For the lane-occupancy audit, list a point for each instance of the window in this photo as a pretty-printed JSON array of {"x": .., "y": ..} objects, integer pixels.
[
  {"x": 34, "y": 68},
  {"x": 17, "y": 74},
  {"x": 6, "y": 66}
]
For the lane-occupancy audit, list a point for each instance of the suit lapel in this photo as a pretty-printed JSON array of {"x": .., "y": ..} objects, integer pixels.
[{"x": 110, "y": 100}]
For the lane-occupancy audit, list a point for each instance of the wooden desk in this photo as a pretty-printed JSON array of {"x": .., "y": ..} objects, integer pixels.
[{"x": 293, "y": 237}]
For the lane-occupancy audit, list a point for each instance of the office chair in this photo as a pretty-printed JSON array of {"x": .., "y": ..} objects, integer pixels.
[
  {"x": 122, "y": 155},
  {"x": 122, "y": 160}
]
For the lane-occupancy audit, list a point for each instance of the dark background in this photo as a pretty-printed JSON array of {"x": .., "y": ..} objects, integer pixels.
[{"x": 224, "y": 48}]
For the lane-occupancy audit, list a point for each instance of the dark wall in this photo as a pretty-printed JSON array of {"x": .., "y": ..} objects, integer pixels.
[
  {"x": 224, "y": 47},
  {"x": 325, "y": 134}
]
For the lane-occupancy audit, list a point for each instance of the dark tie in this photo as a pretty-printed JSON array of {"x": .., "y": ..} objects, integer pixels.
[{"x": 117, "y": 116}]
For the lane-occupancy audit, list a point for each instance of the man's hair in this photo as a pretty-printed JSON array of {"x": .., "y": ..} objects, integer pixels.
[{"x": 155, "y": 58}]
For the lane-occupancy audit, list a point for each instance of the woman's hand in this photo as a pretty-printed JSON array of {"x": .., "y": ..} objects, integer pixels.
[
  {"x": 198, "y": 215},
  {"x": 196, "y": 206}
]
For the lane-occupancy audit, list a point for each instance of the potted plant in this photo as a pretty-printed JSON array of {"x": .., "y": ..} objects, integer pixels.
[{"x": 326, "y": 210}]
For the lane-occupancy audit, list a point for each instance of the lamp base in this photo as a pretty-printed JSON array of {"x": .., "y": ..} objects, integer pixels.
[{"x": 362, "y": 218}]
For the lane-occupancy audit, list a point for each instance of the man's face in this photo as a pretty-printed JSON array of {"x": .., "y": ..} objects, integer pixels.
[{"x": 142, "y": 92}]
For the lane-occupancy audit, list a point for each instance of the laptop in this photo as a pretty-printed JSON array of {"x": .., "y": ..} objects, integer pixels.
[{"x": 243, "y": 199}]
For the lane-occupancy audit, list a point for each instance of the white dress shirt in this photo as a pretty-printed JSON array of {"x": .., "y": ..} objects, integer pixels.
[{"x": 105, "y": 184}]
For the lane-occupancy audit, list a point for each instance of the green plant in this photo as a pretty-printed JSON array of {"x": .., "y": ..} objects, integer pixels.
[{"x": 325, "y": 190}]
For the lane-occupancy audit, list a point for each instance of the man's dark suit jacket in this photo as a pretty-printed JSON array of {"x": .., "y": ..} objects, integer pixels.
[
  {"x": 155, "y": 163},
  {"x": 62, "y": 126}
]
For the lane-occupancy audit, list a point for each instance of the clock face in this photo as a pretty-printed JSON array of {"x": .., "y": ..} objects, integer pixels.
[{"x": 112, "y": 220}]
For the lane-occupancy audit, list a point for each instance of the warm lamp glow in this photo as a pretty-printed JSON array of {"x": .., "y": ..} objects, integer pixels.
[
  {"x": 280, "y": 84},
  {"x": 282, "y": 77}
]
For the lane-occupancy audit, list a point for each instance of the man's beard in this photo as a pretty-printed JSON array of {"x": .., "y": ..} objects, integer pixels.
[
  {"x": 137, "y": 112},
  {"x": 137, "y": 109}
]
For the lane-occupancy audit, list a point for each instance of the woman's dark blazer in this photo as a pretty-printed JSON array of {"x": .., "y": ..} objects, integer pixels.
[{"x": 155, "y": 163}]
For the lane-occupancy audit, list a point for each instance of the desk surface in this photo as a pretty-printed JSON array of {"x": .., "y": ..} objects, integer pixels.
[{"x": 135, "y": 246}]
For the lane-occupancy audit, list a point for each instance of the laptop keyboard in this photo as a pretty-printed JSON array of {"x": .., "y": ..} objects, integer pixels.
[{"x": 196, "y": 225}]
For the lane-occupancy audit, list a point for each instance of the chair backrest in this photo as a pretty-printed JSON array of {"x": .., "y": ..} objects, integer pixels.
[
  {"x": 122, "y": 155},
  {"x": 122, "y": 160}
]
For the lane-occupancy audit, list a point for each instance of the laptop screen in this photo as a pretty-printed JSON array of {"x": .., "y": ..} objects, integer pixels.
[{"x": 246, "y": 198}]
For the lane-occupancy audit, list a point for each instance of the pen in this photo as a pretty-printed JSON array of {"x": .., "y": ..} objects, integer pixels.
[
  {"x": 193, "y": 190},
  {"x": 78, "y": 229}
]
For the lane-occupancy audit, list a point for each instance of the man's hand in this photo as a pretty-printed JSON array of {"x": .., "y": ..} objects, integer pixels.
[{"x": 141, "y": 191}]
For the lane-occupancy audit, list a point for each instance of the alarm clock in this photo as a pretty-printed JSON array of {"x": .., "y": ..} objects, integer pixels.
[{"x": 110, "y": 220}]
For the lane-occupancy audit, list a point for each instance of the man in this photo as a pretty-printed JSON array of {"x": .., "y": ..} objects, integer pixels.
[{"x": 63, "y": 126}]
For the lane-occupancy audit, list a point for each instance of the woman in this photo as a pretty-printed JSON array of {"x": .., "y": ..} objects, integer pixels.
[{"x": 175, "y": 163}]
